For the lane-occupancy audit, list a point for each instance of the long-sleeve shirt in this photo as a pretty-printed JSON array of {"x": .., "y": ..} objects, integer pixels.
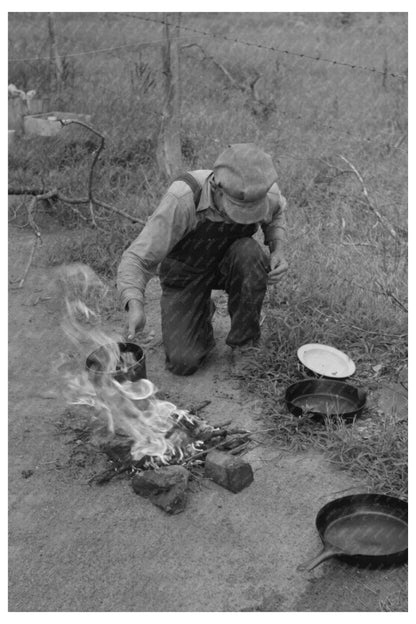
[{"x": 175, "y": 217}]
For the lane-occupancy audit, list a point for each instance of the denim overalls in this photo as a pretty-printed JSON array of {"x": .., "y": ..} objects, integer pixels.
[{"x": 213, "y": 256}]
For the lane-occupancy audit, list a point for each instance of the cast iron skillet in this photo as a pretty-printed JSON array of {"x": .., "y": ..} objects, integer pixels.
[
  {"x": 363, "y": 529},
  {"x": 325, "y": 397}
]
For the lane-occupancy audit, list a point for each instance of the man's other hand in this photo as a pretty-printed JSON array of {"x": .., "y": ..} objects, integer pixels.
[{"x": 278, "y": 267}]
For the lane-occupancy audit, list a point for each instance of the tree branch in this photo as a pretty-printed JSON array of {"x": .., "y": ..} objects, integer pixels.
[
  {"x": 384, "y": 222},
  {"x": 41, "y": 194},
  {"x": 66, "y": 122},
  {"x": 55, "y": 194},
  {"x": 90, "y": 200},
  {"x": 387, "y": 292},
  {"x": 38, "y": 239},
  {"x": 249, "y": 89},
  {"x": 225, "y": 71}
]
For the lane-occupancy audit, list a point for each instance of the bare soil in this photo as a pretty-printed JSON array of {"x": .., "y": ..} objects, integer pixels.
[{"x": 76, "y": 546}]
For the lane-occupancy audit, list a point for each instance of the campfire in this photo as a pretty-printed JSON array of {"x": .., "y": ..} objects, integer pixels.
[{"x": 160, "y": 446}]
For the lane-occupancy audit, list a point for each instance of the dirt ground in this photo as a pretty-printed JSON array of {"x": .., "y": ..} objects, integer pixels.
[{"x": 79, "y": 547}]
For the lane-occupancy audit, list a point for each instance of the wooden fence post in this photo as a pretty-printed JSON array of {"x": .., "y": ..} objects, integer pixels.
[
  {"x": 168, "y": 153},
  {"x": 56, "y": 61}
]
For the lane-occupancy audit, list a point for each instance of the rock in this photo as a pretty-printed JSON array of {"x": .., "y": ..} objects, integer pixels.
[
  {"x": 166, "y": 487},
  {"x": 393, "y": 400},
  {"x": 231, "y": 472},
  {"x": 159, "y": 480}
]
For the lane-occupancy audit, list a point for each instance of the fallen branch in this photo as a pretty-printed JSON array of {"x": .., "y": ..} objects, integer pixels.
[
  {"x": 240, "y": 448},
  {"x": 39, "y": 195},
  {"x": 38, "y": 239},
  {"x": 90, "y": 201},
  {"x": 400, "y": 141},
  {"x": 221, "y": 67},
  {"x": 91, "y": 207},
  {"x": 201, "y": 453},
  {"x": 126, "y": 215},
  {"x": 55, "y": 194},
  {"x": 387, "y": 292},
  {"x": 195, "y": 409},
  {"x": 384, "y": 222},
  {"x": 25, "y": 191},
  {"x": 66, "y": 122},
  {"x": 21, "y": 280},
  {"x": 15, "y": 210},
  {"x": 249, "y": 89}
]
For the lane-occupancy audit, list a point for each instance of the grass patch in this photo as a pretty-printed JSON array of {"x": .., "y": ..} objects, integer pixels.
[
  {"x": 99, "y": 249},
  {"x": 339, "y": 295},
  {"x": 373, "y": 447}
]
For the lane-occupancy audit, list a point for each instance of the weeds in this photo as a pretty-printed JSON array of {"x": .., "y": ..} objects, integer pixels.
[
  {"x": 332, "y": 298},
  {"x": 373, "y": 447},
  {"x": 99, "y": 249}
]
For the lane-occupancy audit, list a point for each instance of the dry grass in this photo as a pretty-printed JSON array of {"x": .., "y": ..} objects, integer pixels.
[{"x": 330, "y": 296}]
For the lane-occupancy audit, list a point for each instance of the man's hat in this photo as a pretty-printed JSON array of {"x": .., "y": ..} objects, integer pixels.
[{"x": 245, "y": 174}]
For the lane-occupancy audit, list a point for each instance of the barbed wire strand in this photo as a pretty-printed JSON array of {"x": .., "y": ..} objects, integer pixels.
[
  {"x": 158, "y": 41},
  {"x": 92, "y": 52},
  {"x": 261, "y": 46}
]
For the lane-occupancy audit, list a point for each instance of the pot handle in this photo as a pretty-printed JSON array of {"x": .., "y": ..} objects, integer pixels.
[{"x": 326, "y": 553}]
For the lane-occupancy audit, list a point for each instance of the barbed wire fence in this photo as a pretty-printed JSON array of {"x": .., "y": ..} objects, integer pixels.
[
  {"x": 341, "y": 91},
  {"x": 284, "y": 81}
]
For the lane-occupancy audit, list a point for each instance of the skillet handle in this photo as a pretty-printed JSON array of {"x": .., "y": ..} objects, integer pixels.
[{"x": 326, "y": 553}]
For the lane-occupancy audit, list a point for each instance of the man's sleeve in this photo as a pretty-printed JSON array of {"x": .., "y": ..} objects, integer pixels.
[
  {"x": 173, "y": 218},
  {"x": 276, "y": 228}
]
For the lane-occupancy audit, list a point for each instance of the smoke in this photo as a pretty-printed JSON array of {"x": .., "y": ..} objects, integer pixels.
[{"x": 131, "y": 408}]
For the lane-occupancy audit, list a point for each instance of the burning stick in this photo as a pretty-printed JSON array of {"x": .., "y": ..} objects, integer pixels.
[
  {"x": 197, "y": 408},
  {"x": 200, "y": 454}
]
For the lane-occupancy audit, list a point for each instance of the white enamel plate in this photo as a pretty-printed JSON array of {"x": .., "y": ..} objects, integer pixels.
[{"x": 327, "y": 361}]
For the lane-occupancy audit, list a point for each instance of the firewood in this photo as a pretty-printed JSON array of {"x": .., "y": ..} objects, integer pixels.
[
  {"x": 240, "y": 449},
  {"x": 232, "y": 441}
]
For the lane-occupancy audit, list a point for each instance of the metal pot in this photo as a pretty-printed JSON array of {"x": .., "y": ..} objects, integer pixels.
[{"x": 97, "y": 363}]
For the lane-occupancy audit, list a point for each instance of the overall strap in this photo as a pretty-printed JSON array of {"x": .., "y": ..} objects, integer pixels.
[{"x": 193, "y": 183}]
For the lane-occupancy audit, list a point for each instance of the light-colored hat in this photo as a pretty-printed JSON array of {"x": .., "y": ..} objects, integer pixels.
[{"x": 245, "y": 174}]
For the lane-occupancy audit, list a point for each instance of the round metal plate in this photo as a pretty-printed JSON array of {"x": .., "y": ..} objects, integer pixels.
[{"x": 327, "y": 361}]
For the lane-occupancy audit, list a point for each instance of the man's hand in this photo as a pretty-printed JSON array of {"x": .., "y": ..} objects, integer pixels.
[
  {"x": 278, "y": 266},
  {"x": 136, "y": 319}
]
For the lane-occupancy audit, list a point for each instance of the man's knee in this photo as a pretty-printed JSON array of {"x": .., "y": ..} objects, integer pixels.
[{"x": 246, "y": 254}]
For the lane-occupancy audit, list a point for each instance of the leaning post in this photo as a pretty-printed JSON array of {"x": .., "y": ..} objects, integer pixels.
[{"x": 169, "y": 155}]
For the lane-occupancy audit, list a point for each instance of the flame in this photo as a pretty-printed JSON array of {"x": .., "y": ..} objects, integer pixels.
[{"x": 131, "y": 408}]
